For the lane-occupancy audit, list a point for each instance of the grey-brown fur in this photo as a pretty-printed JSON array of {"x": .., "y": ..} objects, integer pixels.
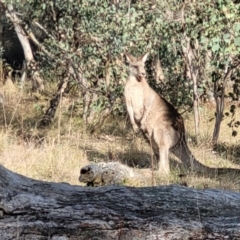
[
  {"x": 100, "y": 174},
  {"x": 159, "y": 121},
  {"x": 91, "y": 175}
]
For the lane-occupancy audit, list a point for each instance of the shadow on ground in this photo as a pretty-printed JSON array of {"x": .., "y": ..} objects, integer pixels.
[{"x": 229, "y": 152}]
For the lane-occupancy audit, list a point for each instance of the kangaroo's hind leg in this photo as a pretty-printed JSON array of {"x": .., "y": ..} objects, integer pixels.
[
  {"x": 154, "y": 148},
  {"x": 161, "y": 149}
]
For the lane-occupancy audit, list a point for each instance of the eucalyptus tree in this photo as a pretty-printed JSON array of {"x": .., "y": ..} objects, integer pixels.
[{"x": 205, "y": 36}]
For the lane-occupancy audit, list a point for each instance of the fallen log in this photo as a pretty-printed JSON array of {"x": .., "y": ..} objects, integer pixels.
[{"x": 31, "y": 209}]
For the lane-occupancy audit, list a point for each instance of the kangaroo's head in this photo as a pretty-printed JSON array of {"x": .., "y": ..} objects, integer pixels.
[{"x": 136, "y": 65}]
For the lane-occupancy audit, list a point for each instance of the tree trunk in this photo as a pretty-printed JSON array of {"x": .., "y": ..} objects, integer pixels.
[
  {"x": 192, "y": 74},
  {"x": 54, "y": 103},
  {"x": 31, "y": 209},
  {"x": 196, "y": 107},
  {"x": 219, "y": 115},
  {"x": 1, "y": 44},
  {"x": 158, "y": 72},
  {"x": 220, "y": 104},
  {"x": 1, "y": 28},
  {"x": 28, "y": 54}
]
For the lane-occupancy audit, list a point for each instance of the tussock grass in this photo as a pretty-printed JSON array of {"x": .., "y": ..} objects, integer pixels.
[
  {"x": 57, "y": 154},
  {"x": 49, "y": 160}
]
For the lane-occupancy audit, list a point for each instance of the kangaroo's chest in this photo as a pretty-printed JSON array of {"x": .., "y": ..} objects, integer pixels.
[{"x": 134, "y": 95}]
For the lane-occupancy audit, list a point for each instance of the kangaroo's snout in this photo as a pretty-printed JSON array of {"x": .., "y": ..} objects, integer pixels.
[
  {"x": 143, "y": 74},
  {"x": 140, "y": 76}
]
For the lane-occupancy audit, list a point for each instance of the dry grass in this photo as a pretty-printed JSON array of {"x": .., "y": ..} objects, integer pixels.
[{"x": 57, "y": 154}]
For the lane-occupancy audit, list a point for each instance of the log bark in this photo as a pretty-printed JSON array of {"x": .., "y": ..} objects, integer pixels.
[{"x": 31, "y": 209}]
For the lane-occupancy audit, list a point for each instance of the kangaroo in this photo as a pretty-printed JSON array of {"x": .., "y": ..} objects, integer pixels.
[{"x": 160, "y": 122}]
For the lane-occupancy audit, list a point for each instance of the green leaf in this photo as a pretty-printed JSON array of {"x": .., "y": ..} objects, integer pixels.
[
  {"x": 203, "y": 39},
  {"x": 213, "y": 18},
  {"x": 237, "y": 41},
  {"x": 216, "y": 39},
  {"x": 237, "y": 27},
  {"x": 141, "y": 29},
  {"x": 228, "y": 50},
  {"x": 227, "y": 38},
  {"x": 215, "y": 47}
]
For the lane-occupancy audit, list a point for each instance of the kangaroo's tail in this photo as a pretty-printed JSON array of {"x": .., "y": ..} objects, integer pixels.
[
  {"x": 183, "y": 152},
  {"x": 185, "y": 155}
]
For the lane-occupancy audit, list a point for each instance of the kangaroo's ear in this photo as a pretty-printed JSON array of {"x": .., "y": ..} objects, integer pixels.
[
  {"x": 144, "y": 57},
  {"x": 130, "y": 58}
]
